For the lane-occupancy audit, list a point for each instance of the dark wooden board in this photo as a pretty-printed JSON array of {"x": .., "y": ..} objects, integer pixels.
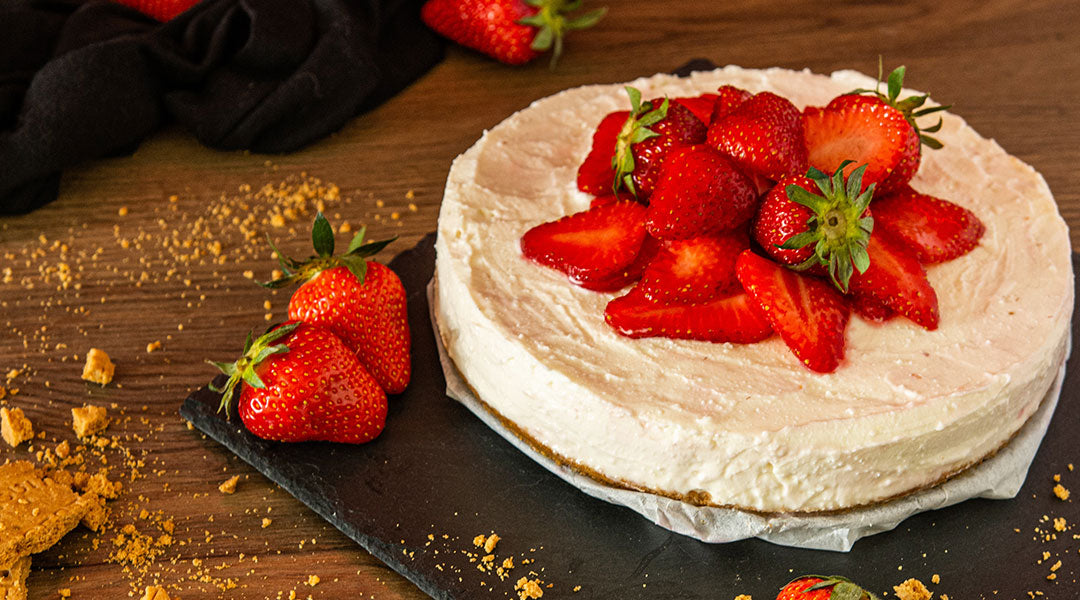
[{"x": 438, "y": 470}]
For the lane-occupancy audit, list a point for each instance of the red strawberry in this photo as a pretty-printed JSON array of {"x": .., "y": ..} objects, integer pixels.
[
  {"x": 510, "y": 31},
  {"x": 609, "y": 198},
  {"x": 896, "y": 279},
  {"x": 701, "y": 106},
  {"x": 700, "y": 192},
  {"x": 728, "y": 98},
  {"x": 360, "y": 301},
  {"x": 591, "y": 245},
  {"x": 870, "y": 309},
  {"x": 871, "y": 129},
  {"x": 626, "y": 275},
  {"x": 937, "y": 230},
  {"x": 695, "y": 269},
  {"x": 651, "y": 132},
  {"x": 764, "y": 136},
  {"x": 304, "y": 384},
  {"x": 815, "y": 587},
  {"x": 596, "y": 175},
  {"x": 727, "y": 319},
  {"x": 808, "y": 313},
  {"x": 162, "y": 10},
  {"x": 827, "y": 232}
]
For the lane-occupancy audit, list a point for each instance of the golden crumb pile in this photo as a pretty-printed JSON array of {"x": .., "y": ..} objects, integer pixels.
[
  {"x": 98, "y": 368},
  {"x": 912, "y": 589}
]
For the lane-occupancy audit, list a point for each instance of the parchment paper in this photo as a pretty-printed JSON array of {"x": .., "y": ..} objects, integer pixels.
[{"x": 999, "y": 477}]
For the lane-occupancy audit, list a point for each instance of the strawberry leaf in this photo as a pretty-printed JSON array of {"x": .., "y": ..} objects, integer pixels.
[
  {"x": 586, "y": 20},
  {"x": 896, "y": 82},
  {"x": 322, "y": 236}
]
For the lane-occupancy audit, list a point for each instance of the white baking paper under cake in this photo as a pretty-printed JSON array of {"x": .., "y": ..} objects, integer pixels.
[{"x": 998, "y": 477}]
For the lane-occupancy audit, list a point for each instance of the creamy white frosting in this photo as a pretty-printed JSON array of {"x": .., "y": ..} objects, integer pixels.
[{"x": 747, "y": 424}]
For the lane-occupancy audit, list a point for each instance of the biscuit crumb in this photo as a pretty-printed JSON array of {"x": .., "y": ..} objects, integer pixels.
[
  {"x": 935, "y": 579},
  {"x": 312, "y": 580},
  {"x": 743, "y": 597},
  {"x": 266, "y": 522},
  {"x": 89, "y": 420},
  {"x": 98, "y": 368},
  {"x": 912, "y": 589},
  {"x": 155, "y": 345},
  {"x": 528, "y": 589},
  {"x": 478, "y": 541},
  {"x": 1061, "y": 492},
  {"x": 15, "y": 428},
  {"x": 229, "y": 486},
  {"x": 64, "y": 593},
  {"x": 490, "y": 542},
  {"x": 99, "y": 513},
  {"x": 1060, "y": 524}
]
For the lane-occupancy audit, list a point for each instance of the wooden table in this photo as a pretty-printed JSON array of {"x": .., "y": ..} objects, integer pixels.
[{"x": 1009, "y": 68}]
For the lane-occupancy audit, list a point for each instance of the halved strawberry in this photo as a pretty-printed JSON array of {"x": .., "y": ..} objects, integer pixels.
[
  {"x": 596, "y": 174},
  {"x": 864, "y": 130},
  {"x": 726, "y": 319},
  {"x": 694, "y": 270},
  {"x": 728, "y": 98},
  {"x": 937, "y": 230},
  {"x": 701, "y": 106},
  {"x": 609, "y": 198},
  {"x": 896, "y": 279},
  {"x": 808, "y": 313},
  {"x": 700, "y": 192},
  {"x": 590, "y": 245},
  {"x": 626, "y": 275},
  {"x": 763, "y": 135}
]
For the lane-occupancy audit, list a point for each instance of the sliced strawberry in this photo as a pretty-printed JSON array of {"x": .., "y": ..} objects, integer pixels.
[
  {"x": 597, "y": 175},
  {"x": 727, "y": 319},
  {"x": 763, "y": 135},
  {"x": 609, "y": 198},
  {"x": 694, "y": 270},
  {"x": 808, "y": 313},
  {"x": 937, "y": 230},
  {"x": 896, "y": 279},
  {"x": 865, "y": 130},
  {"x": 728, "y": 98},
  {"x": 701, "y": 106},
  {"x": 870, "y": 309},
  {"x": 589, "y": 245},
  {"x": 627, "y": 275},
  {"x": 700, "y": 192}
]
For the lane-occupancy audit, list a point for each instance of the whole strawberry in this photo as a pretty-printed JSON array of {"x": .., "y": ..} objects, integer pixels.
[
  {"x": 763, "y": 136},
  {"x": 162, "y": 10},
  {"x": 360, "y": 301},
  {"x": 699, "y": 193},
  {"x": 300, "y": 383},
  {"x": 510, "y": 31},
  {"x": 815, "y": 587}
]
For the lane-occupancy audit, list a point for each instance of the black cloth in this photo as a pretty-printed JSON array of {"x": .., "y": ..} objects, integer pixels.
[{"x": 87, "y": 80}]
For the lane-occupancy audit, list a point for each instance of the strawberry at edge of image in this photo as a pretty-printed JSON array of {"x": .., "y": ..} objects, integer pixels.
[
  {"x": 359, "y": 300},
  {"x": 514, "y": 32}
]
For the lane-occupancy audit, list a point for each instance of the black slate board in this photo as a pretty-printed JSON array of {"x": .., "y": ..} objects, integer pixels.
[{"x": 438, "y": 470}]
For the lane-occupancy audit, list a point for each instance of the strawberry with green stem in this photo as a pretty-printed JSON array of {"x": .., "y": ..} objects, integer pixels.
[
  {"x": 513, "y": 32},
  {"x": 359, "y": 300},
  {"x": 299, "y": 382},
  {"x": 817, "y": 587}
]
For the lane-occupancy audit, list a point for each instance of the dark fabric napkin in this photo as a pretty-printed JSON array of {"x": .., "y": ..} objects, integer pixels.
[{"x": 87, "y": 80}]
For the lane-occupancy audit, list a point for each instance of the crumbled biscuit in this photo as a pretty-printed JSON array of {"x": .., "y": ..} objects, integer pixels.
[
  {"x": 229, "y": 486},
  {"x": 935, "y": 579},
  {"x": 95, "y": 519},
  {"x": 528, "y": 589},
  {"x": 13, "y": 579},
  {"x": 312, "y": 580},
  {"x": 490, "y": 542},
  {"x": 743, "y": 597},
  {"x": 98, "y": 368},
  {"x": 37, "y": 511},
  {"x": 156, "y": 593},
  {"x": 64, "y": 592},
  {"x": 15, "y": 428},
  {"x": 266, "y": 522},
  {"x": 912, "y": 589},
  {"x": 156, "y": 345},
  {"x": 98, "y": 484},
  {"x": 1061, "y": 492},
  {"x": 89, "y": 420}
]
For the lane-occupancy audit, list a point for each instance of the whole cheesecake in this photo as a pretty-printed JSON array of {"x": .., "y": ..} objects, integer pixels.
[{"x": 746, "y": 425}]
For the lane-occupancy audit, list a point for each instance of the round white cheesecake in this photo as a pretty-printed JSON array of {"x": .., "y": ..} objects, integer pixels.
[{"x": 747, "y": 426}]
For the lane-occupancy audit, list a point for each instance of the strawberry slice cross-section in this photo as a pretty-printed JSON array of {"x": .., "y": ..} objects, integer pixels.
[
  {"x": 731, "y": 318},
  {"x": 810, "y": 315},
  {"x": 936, "y": 230}
]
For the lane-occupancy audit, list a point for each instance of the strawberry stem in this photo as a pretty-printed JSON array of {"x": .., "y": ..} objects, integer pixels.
[
  {"x": 839, "y": 227},
  {"x": 322, "y": 238},
  {"x": 634, "y": 130},
  {"x": 842, "y": 587},
  {"x": 243, "y": 370},
  {"x": 907, "y": 106},
  {"x": 552, "y": 24}
]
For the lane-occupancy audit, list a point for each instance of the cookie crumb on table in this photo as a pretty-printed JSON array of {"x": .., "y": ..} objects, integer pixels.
[
  {"x": 743, "y": 597},
  {"x": 156, "y": 593},
  {"x": 98, "y": 367},
  {"x": 1061, "y": 492},
  {"x": 15, "y": 428},
  {"x": 229, "y": 486},
  {"x": 89, "y": 420},
  {"x": 490, "y": 542},
  {"x": 912, "y": 589}
]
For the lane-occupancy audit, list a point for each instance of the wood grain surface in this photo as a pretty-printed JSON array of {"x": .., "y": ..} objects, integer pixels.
[{"x": 82, "y": 275}]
